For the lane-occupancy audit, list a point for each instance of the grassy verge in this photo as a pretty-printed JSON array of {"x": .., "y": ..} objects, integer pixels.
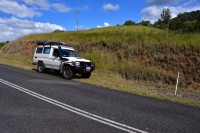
[
  {"x": 17, "y": 60},
  {"x": 160, "y": 91},
  {"x": 113, "y": 80}
]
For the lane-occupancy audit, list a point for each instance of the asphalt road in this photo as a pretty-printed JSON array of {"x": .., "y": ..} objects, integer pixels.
[{"x": 33, "y": 102}]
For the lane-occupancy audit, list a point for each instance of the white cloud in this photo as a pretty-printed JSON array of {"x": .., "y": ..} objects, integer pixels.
[
  {"x": 40, "y": 3},
  {"x": 60, "y": 7},
  {"x": 16, "y": 9},
  {"x": 152, "y": 13},
  {"x": 176, "y": 10},
  {"x": 13, "y": 28},
  {"x": 43, "y": 4},
  {"x": 106, "y": 24},
  {"x": 110, "y": 7},
  {"x": 31, "y": 8}
]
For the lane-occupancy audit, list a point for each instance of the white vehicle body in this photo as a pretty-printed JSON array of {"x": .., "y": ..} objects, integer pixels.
[{"x": 59, "y": 56}]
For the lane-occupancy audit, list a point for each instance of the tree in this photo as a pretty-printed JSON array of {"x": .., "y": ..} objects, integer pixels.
[
  {"x": 166, "y": 16},
  {"x": 176, "y": 25},
  {"x": 184, "y": 22},
  {"x": 145, "y": 23},
  {"x": 159, "y": 24},
  {"x": 129, "y": 22},
  {"x": 198, "y": 23}
]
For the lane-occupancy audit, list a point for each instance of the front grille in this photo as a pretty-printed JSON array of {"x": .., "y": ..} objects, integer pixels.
[{"x": 85, "y": 64}]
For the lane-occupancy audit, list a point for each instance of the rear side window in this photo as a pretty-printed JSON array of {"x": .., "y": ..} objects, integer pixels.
[
  {"x": 46, "y": 50},
  {"x": 39, "y": 50}
]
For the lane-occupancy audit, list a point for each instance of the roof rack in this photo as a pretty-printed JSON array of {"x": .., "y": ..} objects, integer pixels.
[{"x": 51, "y": 43}]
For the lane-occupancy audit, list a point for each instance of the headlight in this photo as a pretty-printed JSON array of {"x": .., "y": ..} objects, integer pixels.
[{"x": 77, "y": 63}]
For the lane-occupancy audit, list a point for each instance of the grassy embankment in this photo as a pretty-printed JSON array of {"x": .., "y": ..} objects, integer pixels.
[{"x": 134, "y": 59}]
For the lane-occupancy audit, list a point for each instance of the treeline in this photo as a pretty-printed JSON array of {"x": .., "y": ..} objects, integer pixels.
[
  {"x": 143, "y": 22},
  {"x": 184, "y": 22}
]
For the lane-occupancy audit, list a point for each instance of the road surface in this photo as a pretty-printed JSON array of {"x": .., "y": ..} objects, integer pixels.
[{"x": 35, "y": 102}]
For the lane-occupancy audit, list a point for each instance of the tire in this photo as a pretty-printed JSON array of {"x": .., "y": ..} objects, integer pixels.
[
  {"x": 67, "y": 73},
  {"x": 86, "y": 75},
  {"x": 40, "y": 67}
]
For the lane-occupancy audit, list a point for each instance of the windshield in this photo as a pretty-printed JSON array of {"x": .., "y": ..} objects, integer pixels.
[{"x": 68, "y": 53}]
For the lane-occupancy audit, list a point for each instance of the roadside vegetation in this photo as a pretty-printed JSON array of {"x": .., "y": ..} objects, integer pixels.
[
  {"x": 137, "y": 59},
  {"x": 133, "y": 58}
]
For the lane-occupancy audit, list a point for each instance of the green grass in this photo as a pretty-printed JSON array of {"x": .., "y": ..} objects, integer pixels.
[
  {"x": 130, "y": 34},
  {"x": 134, "y": 59},
  {"x": 17, "y": 60}
]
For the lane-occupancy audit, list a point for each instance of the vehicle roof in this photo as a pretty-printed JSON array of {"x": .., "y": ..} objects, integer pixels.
[
  {"x": 54, "y": 44},
  {"x": 51, "y": 43}
]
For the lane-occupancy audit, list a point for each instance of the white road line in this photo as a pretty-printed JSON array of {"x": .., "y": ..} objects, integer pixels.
[{"x": 75, "y": 110}]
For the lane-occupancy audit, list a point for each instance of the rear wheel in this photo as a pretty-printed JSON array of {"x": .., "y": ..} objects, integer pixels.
[
  {"x": 67, "y": 73},
  {"x": 40, "y": 67},
  {"x": 86, "y": 75}
]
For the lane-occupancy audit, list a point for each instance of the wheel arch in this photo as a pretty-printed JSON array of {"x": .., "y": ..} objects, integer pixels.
[
  {"x": 63, "y": 66},
  {"x": 40, "y": 61}
]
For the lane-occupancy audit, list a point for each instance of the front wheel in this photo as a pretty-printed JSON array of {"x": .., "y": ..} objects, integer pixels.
[
  {"x": 86, "y": 75},
  {"x": 67, "y": 73}
]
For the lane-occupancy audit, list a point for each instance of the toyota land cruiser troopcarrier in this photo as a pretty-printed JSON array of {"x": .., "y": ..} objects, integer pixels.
[{"x": 59, "y": 56}]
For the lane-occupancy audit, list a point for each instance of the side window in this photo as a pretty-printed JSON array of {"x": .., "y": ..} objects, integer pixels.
[
  {"x": 56, "y": 52},
  {"x": 46, "y": 50},
  {"x": 39, "y": 50}
]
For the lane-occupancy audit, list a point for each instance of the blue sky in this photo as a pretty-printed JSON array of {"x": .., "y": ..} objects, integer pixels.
[{"x": 22, "y": 17}]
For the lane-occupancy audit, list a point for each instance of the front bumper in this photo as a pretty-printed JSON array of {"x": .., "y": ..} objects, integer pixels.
[{"x": 85, "y": 67}]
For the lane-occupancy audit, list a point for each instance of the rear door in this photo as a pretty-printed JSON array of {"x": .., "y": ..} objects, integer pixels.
[{"x": 46, "y": 57}]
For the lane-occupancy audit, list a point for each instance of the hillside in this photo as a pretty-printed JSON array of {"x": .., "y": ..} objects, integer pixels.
[{"x": 135, "y": 52}]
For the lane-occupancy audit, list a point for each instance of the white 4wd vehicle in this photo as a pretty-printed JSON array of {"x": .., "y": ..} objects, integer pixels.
[{"x": 59, "y": 56}]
